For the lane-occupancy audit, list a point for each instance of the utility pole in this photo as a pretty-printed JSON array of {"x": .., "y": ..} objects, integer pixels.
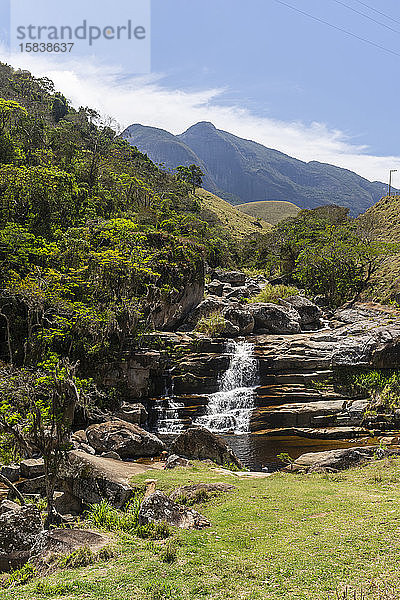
[{"x": 390, "y": 179}]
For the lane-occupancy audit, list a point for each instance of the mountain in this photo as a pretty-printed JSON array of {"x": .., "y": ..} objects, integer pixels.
[{"x": 242, "y": 171}]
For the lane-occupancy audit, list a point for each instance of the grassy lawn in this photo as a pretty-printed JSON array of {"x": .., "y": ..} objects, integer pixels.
[{"x": 286, "y": 536}]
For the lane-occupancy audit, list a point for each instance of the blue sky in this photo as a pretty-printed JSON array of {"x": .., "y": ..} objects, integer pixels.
[{"x": 260, "y": 70}]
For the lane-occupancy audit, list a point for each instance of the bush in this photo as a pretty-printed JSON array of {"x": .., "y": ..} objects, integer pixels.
[
  {"x": 20, "y": 576},
  {"x": 212, "y": 325},
  {"x": 274, "y": 293},
  {"x": 105, "y": 516},
  {"x": 169, "y": 553}
]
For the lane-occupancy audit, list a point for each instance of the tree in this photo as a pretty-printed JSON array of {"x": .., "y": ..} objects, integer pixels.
[
  {"x": 37, "y": 408},
  {"x": 192, "y": 174},
  {"x": 59, "y": 107},
  {"x": 325, "y": 252}
]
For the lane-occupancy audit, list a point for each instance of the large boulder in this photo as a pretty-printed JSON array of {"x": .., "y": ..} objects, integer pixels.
[
  {"x": 208, "y": 306},
  {"x": 310, "y": 313},
  {"x": 201, "y": 444},
  {"x": 243, "y": 319},
  {"x": 12, "y": 472},
  {"x": 335, "y": 460},
  {"x": 234, "y": 278},
  {"x": 32, "y": 467},
  {"x": 272, "y": 318},
  {"x": 126, "y": 439},
  {"x": 158, "y": 508},
  {"x": 133, "y": 413},
  {"x": 19, "y": 530},
  {"x": 66, "y": 541},
  {"x": 88, "y": 479}
]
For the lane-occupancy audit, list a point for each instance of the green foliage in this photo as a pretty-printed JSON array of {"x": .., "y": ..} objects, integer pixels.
[
  {"x": 325, "y": 252},
  {"x": 79, "y": 558},
  {"x": 192, "y": 175},
  {"x": 169, "y": 552},
  {"x": 274, "y": 293},
  {"x": 60, "y": 588},
  {"x": 213, "y": 325},
  {"x": 104, "y": 516},
  {"x": 384, "y": 388},
  {"x": 20, "y": 576}
]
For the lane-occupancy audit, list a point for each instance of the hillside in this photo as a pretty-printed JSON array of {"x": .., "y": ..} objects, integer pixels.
[
  {"x": 383, "y": 220},
  {"x": 270, "y": 211},
  {"x": 241, "y": 171},
  {"x": 236, "y": 222}
]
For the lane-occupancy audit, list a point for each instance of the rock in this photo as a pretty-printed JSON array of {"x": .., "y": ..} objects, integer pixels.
[
  {"x": 208, "y": 306},
  {"x": 243, "y": 319},
  {"x": 191, "y": 492},
  {"x": 175, "y": 461},
  {"x": 66, "y": 504},
  {"x": 310, "y": 313},
  {"x": 32, "y": 467},
  {"x": 215, "y": 288},
  {"x": 112, "y": 455},
  {"x": 230, "y": 330},
  {"x": 84, "y": 448},
  {"x": 133, "y": 413},
  {"x": 8, "y": 505},
  {"x": 19, "y": 529},
  {"x": 334, "y": 459},
  {"x": 79, "y": 437},
  {"x": 91, "y": 479},
  {"x": 199, "y": 443},
  {"x": 126, "y": 439},
  {"x": 234, "y": 278},
  {"x": 158, "y": 508},
  {"x": 12, "y": 472},
  {"x": 66, "y": 541},
  {"x": 37, "y": 485},
  {"x": 272, "y": 318}
]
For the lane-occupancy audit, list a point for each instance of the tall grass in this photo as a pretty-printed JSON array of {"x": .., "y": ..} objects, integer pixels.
[
  {"x": 212, "y": 325},
  {"x": 104, "y": 516},
  {"x": 274, "y": 293}
]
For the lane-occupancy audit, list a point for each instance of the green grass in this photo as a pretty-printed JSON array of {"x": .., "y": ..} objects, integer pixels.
[
  {"x": 212, "y": 325},
  {"x": 289, "y": 536},
  {"x": 270, "y": 210},
  {"x": 274, "y": 293},
  {"x": 219, "y": 212}
]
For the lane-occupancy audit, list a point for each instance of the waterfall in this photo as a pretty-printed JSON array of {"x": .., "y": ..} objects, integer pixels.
[{"x": 230, "y": 408}]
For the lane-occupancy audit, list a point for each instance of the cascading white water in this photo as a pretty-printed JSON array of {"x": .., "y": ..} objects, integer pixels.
[{"x": 230, "y": 408}]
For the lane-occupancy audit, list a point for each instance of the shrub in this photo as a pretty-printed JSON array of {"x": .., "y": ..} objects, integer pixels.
[
  {"x": 57, "y": 589},
  {"x": 105, "y": 516},
  {"x": 213, "y": 325},
  {"x": 79, "y": 558},
  {"x": 274, "y": 293},
  {"x": 20, "y": 576},
  {"x": 169, "y": 552}
]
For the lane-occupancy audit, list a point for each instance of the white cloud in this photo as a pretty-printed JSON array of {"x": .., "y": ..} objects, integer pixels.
[{"x": 144, "y": 99}]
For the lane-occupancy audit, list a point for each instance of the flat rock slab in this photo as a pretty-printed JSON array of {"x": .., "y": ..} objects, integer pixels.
[
  {"x": 65, "y": 541},
  {"x": 91, "y": 479},
  {"x": 336, "y": 460}
]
